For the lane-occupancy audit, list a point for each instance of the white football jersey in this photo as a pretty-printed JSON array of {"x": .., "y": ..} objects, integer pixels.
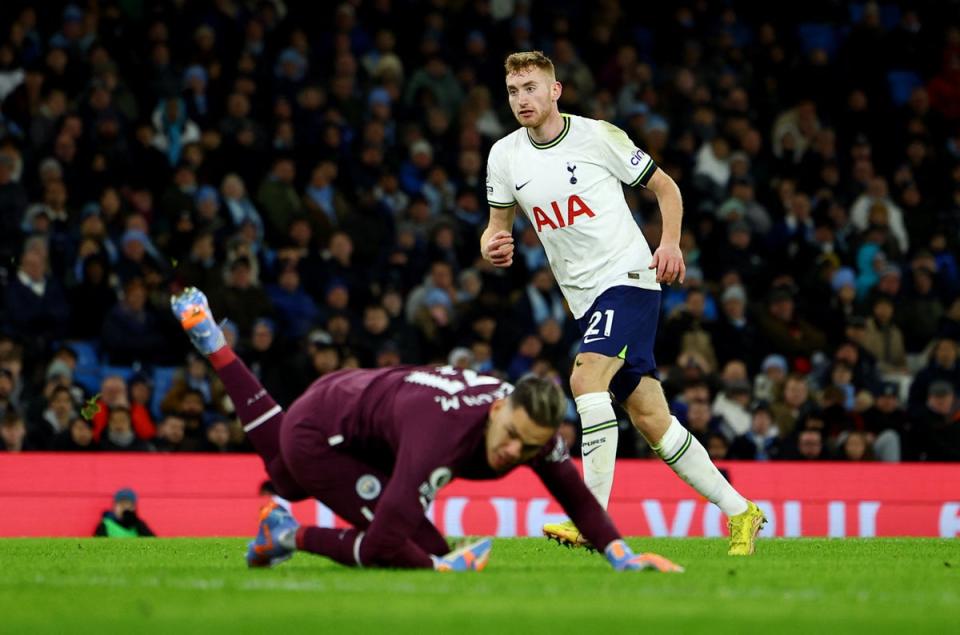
[{"x": 570, "y": 190}]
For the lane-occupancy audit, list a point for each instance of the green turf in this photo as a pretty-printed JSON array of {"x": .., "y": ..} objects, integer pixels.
[{"x": 202, "y": 585}]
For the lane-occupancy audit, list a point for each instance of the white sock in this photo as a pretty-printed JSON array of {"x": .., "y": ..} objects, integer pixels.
[
  {"x": 599, "y": 443},
  {"x": 689, "y": 459}
]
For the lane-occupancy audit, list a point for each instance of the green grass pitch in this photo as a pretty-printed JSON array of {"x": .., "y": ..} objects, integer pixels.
[{"x": 530, "y": 586}]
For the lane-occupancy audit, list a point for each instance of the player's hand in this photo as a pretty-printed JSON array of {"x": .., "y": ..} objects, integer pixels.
[
  {"x": 622, "y": 558},
  {"x": 668, "y": 261},
  {"x": 499, "y": 249}
]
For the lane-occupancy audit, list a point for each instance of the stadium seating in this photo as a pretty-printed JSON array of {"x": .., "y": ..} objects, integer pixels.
[
  {"x": 902, "y": 83},
  {"x": 89, "y": 371}
]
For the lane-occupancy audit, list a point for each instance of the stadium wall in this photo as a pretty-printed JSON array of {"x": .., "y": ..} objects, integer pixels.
[{"x": 214, "y": 495}]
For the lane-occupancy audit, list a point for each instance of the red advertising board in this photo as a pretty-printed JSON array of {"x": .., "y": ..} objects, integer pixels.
[{"x": 213, "y": 495}]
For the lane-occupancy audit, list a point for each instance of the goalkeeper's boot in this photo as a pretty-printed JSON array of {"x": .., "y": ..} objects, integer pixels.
[
  {"x": 565, "y": 533},
  {"x": 470, "y": 557},
  {"x": 622, "y": 558},
  {"x": 276, "y": 537},
  {"x": 744, "y": 528},
  {"x": 193, "y": 311}
]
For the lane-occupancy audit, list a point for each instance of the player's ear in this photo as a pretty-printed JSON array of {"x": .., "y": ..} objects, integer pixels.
[
  {"x": 555, "y": 90},
  {"x": 497, "y": 406}
]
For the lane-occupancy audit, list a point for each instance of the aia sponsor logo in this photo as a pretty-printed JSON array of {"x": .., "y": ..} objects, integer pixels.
[{"x": 558, "y": 218}]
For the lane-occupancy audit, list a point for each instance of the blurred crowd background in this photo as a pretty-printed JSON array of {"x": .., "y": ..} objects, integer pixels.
[{"x": 318, "y": 170}]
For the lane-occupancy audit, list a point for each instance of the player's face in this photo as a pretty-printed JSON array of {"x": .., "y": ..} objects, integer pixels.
[
  {"x": 533, "y": 96},
  {"x": 512, "y": 436}
]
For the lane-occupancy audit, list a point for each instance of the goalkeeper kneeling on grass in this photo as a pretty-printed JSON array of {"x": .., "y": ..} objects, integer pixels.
[{"x": 375, "y": 446}]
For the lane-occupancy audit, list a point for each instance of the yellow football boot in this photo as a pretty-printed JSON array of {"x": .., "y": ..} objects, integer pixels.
[
  {"x": 565, "y": 533},
  {"x": 744, "y": 529}
]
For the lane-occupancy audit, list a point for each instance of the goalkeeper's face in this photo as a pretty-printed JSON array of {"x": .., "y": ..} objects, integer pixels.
[
  {"x": 512, "y": 436},
  {"x": 533, "y": 96}
]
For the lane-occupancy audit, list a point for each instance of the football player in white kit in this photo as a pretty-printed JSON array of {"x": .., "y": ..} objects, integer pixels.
[{"x": 565, "y": 173}]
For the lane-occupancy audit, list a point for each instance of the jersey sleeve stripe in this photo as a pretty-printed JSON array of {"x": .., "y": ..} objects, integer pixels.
[
  {"x": 645, "y": 175},
  {"x": 501, "y": 205}
]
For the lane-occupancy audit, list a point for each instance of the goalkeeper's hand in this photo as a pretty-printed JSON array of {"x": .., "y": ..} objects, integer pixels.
[{"x": 622, "y": 558}]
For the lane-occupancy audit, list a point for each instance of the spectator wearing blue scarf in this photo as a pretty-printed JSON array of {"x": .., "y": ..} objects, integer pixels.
[
  {"x": 172, "y": 129},
  {"x": 238, "y": 204}
]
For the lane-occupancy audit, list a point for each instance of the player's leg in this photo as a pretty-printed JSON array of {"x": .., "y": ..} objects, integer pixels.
[
  {"x": 343, "y": 546},
  {"x": 679, "y": 449},
  {"x": 608, "y": 330},
  {"x": 258, "y": 412},
  {"x": 633, "y": 314},
  {"x": 648, "y": 410},
  {"x": 599, "y": 434},
  {"x": 351, "y": 488},
  {"x": 589, "y": 383},
  {"x": 638, "y": 390},
  {"x": 596, "y": 363}
]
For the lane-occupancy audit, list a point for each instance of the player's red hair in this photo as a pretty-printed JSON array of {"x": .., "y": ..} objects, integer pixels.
[{"x": 526, "y": 60}]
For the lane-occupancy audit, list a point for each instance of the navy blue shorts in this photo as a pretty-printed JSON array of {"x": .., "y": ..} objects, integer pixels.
[{"x": 623, "y": 323}]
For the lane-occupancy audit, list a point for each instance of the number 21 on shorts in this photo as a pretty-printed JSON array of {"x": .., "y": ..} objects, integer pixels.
[{"x": 593, "y": 331}]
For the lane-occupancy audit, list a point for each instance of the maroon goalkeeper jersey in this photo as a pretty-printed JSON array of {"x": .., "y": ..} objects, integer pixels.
[{"x": 425, "y": 426}]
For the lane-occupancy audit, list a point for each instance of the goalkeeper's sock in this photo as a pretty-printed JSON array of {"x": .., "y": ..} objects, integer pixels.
[
  {"x": 345, "y": 546},
  {"x": 261, "y": 417},
  {"x": 598, "y": 444},
  {"x": 256, "y": 409},
  {"x": 687, "y": 457},
  {"x": 340, "y": 545}
]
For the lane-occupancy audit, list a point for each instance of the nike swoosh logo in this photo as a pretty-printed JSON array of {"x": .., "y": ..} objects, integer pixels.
[
  {"x": 520, "y": 187},
  {"x": 591, "y": 451},
  {"x": 587, "y": 340}
]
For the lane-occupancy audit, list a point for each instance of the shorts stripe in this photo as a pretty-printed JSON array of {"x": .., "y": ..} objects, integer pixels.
[
  {"x": 600, "y": 426},
  {"x": 676, "y": 457}
]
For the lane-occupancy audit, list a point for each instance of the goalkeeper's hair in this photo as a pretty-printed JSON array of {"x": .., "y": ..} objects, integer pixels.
[
  {"x": 541, "y": 398},
  {"x": 527, "y": 60}
]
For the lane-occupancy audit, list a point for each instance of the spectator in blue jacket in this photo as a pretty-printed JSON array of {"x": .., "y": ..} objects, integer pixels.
[
  {"x": 35, "y": 304},
  {"x": 296, "y": 310},
  {"x": 132, "y": 331}
]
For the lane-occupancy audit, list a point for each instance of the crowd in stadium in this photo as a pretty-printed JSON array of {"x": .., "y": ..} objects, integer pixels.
[{"x": 321, "y": 178}]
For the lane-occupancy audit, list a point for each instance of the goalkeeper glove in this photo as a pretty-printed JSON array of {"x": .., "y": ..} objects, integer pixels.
[{"x": 622, "y": 558}]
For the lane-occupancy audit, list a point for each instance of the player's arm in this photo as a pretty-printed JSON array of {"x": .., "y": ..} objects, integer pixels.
[
  {"x": 635, "y": 168},
  {"x": 668, "y": 259},
  {"x": 397, "y": 536},
  {"x": 388, "y": 541},
  {"x": 496, "y": 242}
]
